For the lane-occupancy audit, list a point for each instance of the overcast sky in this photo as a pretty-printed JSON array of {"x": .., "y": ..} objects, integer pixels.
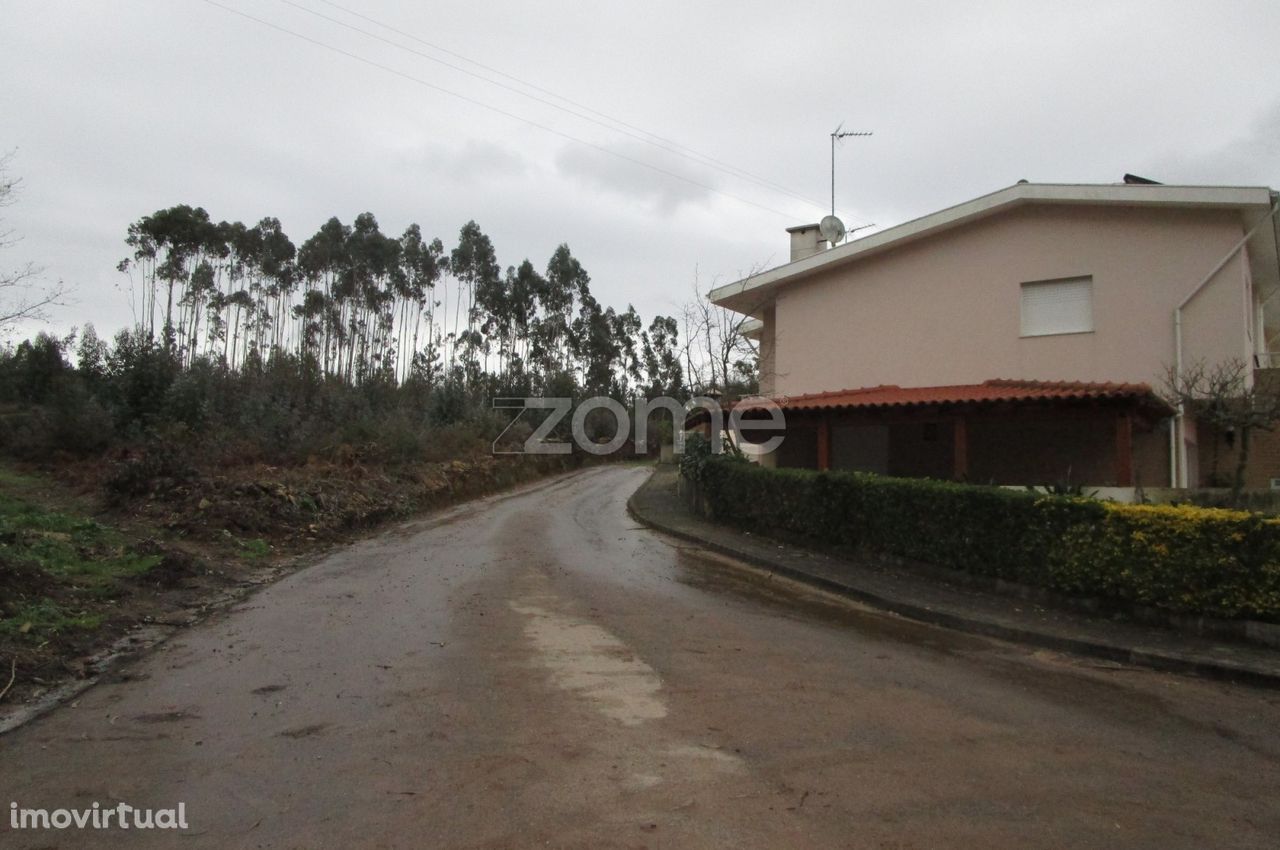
[{"x": 119, "y": 108}]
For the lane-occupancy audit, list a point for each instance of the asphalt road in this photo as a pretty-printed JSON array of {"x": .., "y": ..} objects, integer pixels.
[{"x": 535, "y": 670}]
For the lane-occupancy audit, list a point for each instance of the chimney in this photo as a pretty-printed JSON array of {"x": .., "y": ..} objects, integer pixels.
[{"x": 806, "y": 240}]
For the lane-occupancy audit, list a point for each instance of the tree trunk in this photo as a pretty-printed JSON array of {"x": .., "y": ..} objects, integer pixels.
[{"x": 1242, "y": 461}]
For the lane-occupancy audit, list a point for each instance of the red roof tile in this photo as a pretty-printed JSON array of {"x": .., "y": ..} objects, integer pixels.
[{"x": 988, "y": 392}]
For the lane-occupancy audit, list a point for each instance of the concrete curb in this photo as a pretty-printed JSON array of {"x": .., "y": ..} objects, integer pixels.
[{"x": 1168, "y": 662}]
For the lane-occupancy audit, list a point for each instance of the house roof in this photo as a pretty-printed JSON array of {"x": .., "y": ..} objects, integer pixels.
[
  {"x": 752, "y": 294},
  {"x": 987, "y": 393}
]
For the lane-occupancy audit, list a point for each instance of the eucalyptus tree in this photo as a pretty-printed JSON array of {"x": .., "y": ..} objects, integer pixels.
[
  {"x": 277, "y": 266},
  {"x": 261, "y": 265},
  {"x": 524, "y": 288},
  {"x": 625, "y": 328},
  {"x": 365, "y": 285},
  {"x": 475, "y": 267},
  {"x": 595, "y": 347},
  {"x": 566, "y": 283},
  {"x": 247, "y": 286},
  {"x": 310, "y": 315},
  {"x": 168, "y": 245},
  {"x": 422, "y": 265},
  {"x": 203, "y": 289},
  {"x": 660, "y": 351},
  {"x": 320, "y": 262},
  {"x": 224, "y": 305},
  {"x": 144, "y": 260},
  {"x": 239, "y": 306}
]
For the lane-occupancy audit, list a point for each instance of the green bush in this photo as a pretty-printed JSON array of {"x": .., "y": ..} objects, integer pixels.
[
  {"x": 76, "y": 422},
  {"x": 695, "y": 457},
  {"x": 72, "y": 422},
  {"x": 1182, "y": 559},
  {"x": 163, "y": 462}
]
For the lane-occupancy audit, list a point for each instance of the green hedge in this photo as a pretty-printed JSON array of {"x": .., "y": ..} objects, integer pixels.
[{"x": 1184, "y": 559}]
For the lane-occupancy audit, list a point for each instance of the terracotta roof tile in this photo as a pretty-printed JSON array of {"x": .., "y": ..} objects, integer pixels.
[{"x": 988, "y": 392}]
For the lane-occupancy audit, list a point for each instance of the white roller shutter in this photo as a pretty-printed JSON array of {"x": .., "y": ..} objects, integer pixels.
[{"x": 1057, "y": 306}]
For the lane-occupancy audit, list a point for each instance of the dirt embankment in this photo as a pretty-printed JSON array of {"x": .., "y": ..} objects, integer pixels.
[{"x": 323, "y": 501}]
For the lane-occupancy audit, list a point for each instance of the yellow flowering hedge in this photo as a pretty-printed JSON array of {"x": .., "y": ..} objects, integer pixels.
[{"x": 1185, "y": 559}]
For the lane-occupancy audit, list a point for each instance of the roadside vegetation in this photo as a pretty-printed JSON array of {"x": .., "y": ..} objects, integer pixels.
[
  {"x": 63, "y": 571},
  {"x": 1182, "y": 559}
]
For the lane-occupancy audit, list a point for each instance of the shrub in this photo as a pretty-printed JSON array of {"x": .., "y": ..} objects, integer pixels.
[
  {"x": 694, "y": 459},
  {"x": 1183, "y": 559},
  {"x": 76, "y": 421},
  {"x": 139, "y": 374},
  {"x": 163, "y": 462},
  {"x": 71, "y": 422}
]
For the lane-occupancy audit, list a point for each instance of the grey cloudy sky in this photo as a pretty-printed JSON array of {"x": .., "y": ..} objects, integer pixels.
[{"x": 120, "y": 108}]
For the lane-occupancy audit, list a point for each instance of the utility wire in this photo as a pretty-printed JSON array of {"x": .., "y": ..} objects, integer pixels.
[
  {"x": 499, "y": 111},
  {"x": 614, "y": 124}
]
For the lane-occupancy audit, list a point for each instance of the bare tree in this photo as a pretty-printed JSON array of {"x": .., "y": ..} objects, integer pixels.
[
  {"x": 22, "y": 296},
  {"x": 717, "y": 353},
  {"x": 1223, "y": 397}
]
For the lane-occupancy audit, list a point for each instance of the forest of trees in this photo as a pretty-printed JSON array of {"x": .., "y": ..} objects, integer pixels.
[
  {"x": 242, "y": 338},
  {"x": 354, "y": 303}
]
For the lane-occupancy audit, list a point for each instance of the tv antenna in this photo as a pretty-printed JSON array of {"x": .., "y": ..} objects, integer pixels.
[{"x": 831, "y": 227}]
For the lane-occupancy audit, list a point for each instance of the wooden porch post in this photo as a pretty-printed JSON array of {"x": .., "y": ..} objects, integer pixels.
[
  {"x": 824, "y": 443},
  {"x": 960, "y": 449},
  {"x": 1124, "y": 450}
]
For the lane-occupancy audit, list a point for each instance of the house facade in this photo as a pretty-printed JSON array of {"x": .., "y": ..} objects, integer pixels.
[{"x": 1019, "y": 338}]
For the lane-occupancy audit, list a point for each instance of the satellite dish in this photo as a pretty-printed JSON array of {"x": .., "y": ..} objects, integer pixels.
[{"x": 832, "y": 229}]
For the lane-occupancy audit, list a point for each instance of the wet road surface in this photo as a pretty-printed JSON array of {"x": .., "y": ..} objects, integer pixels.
[{"x": 536, "y": 670}]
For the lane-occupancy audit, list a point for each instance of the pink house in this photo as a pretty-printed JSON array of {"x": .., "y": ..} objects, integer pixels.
[{"x": 1016, "y": 338}]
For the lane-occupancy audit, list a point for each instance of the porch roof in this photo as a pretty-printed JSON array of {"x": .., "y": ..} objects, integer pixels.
[{"x": 990, "y": 392}]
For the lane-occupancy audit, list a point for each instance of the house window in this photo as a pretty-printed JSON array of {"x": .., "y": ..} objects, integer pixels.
[{"x": 1057, "y": 306}]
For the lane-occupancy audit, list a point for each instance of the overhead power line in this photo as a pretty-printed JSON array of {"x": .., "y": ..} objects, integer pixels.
[
  {"x": 567, "y": 136},
  {"x": 614, "y": 124}
]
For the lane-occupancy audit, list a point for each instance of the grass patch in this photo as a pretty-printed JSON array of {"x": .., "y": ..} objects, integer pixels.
[
  {"x": 66, "y": 545},
  {"x": 256, "y": 548},
  {"x": 44, "y": 617},
  {"x": 55, "y": 566},
  {"x": 10, "y": 479}
]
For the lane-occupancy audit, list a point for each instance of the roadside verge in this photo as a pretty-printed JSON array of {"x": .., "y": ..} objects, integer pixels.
[{"x": 931, "y": 600}]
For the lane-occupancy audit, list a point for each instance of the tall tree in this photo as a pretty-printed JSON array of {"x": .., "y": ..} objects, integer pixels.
[
  {"x": 475, "y": 266},
  {"x": 660, "y": 350},
  {"x": 421, "y": 265},
  {"x": 321, "y": 260},
  {"x": 567, "y": 282}
]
